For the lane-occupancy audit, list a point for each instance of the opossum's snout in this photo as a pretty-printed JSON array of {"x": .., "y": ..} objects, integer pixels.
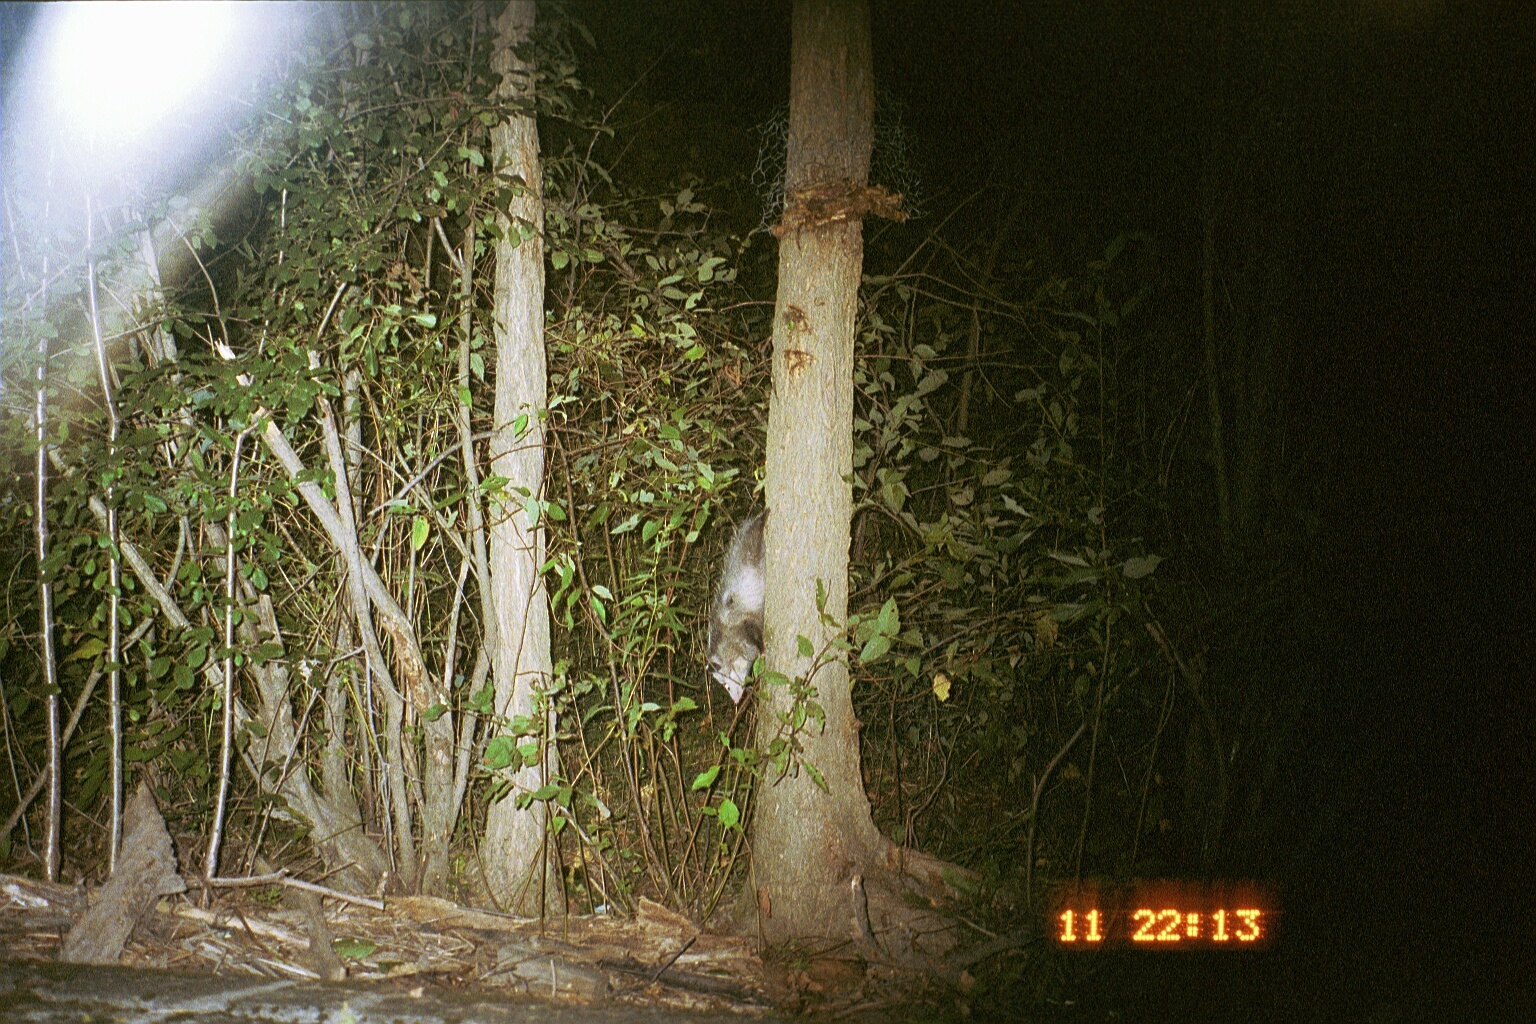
[
  {"x": 733, "y": 677},
  {"x": 731, "y": 656},
  {"x": 731, "y": 665}
]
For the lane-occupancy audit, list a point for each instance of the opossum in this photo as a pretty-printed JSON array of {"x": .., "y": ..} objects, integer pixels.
[{"x": 736, "y": 617}]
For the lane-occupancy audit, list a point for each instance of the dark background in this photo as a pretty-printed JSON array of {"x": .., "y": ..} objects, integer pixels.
[{"x": 1409, "y": 155}]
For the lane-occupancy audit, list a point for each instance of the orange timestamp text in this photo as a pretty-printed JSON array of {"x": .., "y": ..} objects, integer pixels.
[{"x": 1165, "y": 914}]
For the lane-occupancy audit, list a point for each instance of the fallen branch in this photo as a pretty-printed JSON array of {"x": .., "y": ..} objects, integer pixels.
[
  {"x": 257, "y": 927},
  {"x": 282, "y": 878}
]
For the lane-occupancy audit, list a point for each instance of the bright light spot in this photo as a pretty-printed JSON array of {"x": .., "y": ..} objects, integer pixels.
[{"x": 119, "y": 69}]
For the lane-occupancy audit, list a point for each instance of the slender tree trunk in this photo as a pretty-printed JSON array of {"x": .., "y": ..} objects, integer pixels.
[
  {"x": 45, "y": 625},
  {"x": 114, "y": 626},
  {"x": 515, "y": 838},
  {"x": 809, "y": 846}
]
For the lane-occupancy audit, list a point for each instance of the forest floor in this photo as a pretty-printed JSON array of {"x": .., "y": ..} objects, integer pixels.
[{"x": 425, "y": 959}]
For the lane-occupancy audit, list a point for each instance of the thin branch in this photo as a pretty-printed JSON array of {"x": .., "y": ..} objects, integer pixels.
[{"x": 282, "y": 878}]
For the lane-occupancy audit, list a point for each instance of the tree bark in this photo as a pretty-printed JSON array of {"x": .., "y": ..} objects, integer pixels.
[
  {"x": 515, "y": 838},
  {"x": 809, "y": 845}
]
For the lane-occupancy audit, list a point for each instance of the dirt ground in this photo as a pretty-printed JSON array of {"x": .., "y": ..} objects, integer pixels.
[{"x": 271, "y": 957}]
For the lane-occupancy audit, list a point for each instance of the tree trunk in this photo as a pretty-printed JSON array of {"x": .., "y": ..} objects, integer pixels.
[
  {"x": 515, "y": 839},
  {"x": 808, "y": 845}
]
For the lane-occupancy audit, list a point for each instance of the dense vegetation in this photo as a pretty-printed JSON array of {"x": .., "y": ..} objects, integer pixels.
[{"x": 1059, "y": 641}]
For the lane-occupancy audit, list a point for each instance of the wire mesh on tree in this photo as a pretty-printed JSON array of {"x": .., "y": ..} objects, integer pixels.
[{"x": 892, "y": 163}]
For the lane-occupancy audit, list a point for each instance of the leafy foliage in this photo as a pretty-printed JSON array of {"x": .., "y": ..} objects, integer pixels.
[{"x": 1009, "y": 531}]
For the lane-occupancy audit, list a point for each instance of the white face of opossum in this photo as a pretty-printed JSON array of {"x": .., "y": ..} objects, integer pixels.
[
  {"x": 736, "y": 617},
  {"x": 730, "y": 662}
]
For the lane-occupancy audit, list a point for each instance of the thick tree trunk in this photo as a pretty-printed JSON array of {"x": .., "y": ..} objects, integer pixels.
[
  {"x": 809, "y": 845},
  {"x": 516, "y": 844}
]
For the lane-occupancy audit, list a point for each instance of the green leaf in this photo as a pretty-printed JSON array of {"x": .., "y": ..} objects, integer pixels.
[
  {"x": 955, "y": 880},
  {"x": 705, "y": 779},
  {"x": 435, "y": 712},
  {"x": 805, "y": 647},
  {"x": 500, "y": 752},
  {"x": 420, "y": 531},
  {"x": 816, "y": 777},
  {"x": 877, "y": 647},
  {"x": 730, "y": 814},
  {"x": 266, "y": 652},
  {"x": 931, "y": 381},
  {"x": 89, "y": 649},
  {"x": 1136, "y": 568},
  {"x": 354, "y": 949}
]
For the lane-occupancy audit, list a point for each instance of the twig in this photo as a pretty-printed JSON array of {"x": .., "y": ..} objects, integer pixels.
[
  {"x": 257, "y": 927},
  {"x": 673, "y": 958},
  {"x": 282, "y": 878},
  {"x": 1034, "y": 814}
]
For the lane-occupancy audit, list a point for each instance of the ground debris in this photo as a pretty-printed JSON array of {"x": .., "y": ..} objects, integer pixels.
[
  {"x": 53, "y": 993},
  {"x": 658, "y": 962},
  {"x": 541, "y": 972},
  {"x": 659, "y": 959}
]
